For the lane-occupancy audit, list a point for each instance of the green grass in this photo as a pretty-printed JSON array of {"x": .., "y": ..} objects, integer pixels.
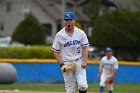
[
  {"x": 93, "y": 87},
  {"x": 33, "y": 86}
]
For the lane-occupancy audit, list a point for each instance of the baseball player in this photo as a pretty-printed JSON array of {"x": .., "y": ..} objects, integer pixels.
[
  {"x": 70, "y": 45},
  {"x": 108, "y": 69}
]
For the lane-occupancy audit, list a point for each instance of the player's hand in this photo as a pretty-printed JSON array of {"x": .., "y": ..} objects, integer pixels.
[
  {"x": 83, "y": 65},
  {"x": 99, "y": 75},
  {"x": 61, "y": 64}
]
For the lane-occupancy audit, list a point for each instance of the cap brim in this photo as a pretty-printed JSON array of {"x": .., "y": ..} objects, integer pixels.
[
  {"x": 109, "y": 51},
  {"x": 69, "y": 18}
]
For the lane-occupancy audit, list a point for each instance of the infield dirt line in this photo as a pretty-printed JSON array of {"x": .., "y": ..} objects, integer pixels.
[
  {"x": 21, "y": 91},
  {"x": 18, "y": 91}
]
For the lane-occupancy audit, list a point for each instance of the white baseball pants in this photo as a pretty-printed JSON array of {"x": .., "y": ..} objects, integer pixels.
[{"x": 78, "y": 75}]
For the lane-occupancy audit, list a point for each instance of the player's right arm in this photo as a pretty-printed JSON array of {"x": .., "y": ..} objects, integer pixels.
[
  {"x": 115, "y": 67},
  {"x": 56, "y": 48},
  {"x": 58, "y": 57},
  {"x": 100, "y": 69}
]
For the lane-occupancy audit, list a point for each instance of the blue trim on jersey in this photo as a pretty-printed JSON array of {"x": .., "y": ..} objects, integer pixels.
[
  {"x": 55, "y": 49},
  {"x": 85, "y": 44}
]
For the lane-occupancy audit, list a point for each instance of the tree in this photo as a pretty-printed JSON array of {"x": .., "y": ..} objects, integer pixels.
[
  {"x": 118, "y": 29},
  {"x": 29, "y": 32},
  {"x": 77, "y": 24},
  {"x": 94, "y": 8}
]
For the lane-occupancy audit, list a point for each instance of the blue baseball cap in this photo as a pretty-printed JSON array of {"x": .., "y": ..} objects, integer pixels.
[
  {"x": 109, "y": 49},
  {"x": 69, "y": 15}
]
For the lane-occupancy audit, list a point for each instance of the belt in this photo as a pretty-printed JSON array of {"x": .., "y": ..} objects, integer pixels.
[{"x": 74, "y": 60}]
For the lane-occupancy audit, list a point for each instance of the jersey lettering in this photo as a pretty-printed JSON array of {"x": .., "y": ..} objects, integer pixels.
[{"x": 74, "y": 42}]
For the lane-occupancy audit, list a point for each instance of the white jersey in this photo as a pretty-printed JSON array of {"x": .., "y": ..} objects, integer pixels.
[
  {"x": 70, "y": 47},
  {"x": 109, "y": 65}
]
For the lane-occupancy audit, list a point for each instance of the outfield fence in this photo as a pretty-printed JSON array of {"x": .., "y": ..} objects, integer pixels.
[{"x": 48, "y": 70}]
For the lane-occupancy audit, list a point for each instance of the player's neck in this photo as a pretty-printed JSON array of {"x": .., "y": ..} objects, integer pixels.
[
  {"x": 108, "y": 57},
  {"x": 69, "y": 30}
]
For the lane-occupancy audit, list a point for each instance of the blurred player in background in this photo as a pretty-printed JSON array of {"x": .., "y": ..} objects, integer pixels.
[
  {"x": 70, "y": 45},
  {"x": 108, "y": 69}
]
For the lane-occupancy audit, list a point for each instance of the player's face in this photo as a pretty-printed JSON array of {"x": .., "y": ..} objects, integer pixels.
[
  {"x": 69, "y": 22},
  {"x": 109, "y": 54}
]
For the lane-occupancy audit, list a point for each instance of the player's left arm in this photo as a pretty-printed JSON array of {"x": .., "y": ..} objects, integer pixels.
[
  {"x": 85, "y": 56},
  {"x": 114, "y": 72},
  {"x": 115, "y": 68},
  {"x": 100, "y": 68},
  {"x": 84, "y": 44}
]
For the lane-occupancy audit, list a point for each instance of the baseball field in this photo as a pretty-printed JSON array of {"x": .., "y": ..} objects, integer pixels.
[{"x": 59, "y": 88}]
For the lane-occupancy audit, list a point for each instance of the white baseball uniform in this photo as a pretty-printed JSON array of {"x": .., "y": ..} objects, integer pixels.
[
  {"x": 70, "y": 48},
  {"x": 108, "y": 67}
]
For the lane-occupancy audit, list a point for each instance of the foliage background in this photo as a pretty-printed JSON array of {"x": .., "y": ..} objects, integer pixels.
[
  {"x": 27, "y": 52},
  {"x": 30, "y": 31}
]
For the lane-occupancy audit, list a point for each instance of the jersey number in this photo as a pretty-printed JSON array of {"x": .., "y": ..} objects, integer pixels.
[
  {"x": 78, "y": 49},
  {"x": 108, "y": 68}
]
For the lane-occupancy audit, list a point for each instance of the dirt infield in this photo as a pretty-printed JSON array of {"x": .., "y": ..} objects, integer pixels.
[{"x": 18, "y": 91}]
